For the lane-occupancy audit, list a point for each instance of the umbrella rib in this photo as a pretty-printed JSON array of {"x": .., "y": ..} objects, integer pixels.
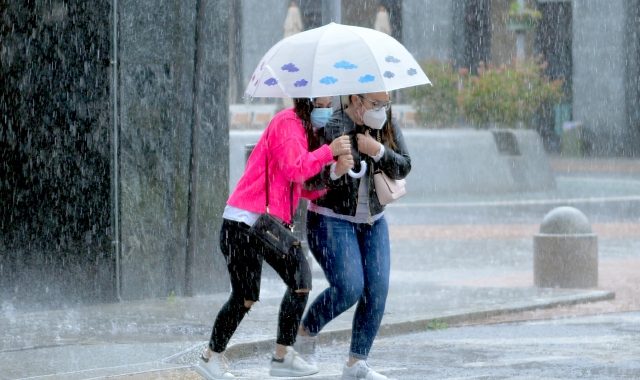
[{"x": 267, "y": 66}]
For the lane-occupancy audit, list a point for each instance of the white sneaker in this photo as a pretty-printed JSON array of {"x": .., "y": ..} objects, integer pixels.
[
  {"x": 306, "y": 347},
  {"x": 360, "y": 370},
  {"x": 292, "y": 365},
  {"x": 214, "y": 368}
]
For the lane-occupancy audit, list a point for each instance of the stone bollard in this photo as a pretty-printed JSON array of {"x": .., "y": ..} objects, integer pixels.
[{"x": 565, "y": 252}]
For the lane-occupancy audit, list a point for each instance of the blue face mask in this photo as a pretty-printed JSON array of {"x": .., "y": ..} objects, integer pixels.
[{"x": 320, "y": 116}]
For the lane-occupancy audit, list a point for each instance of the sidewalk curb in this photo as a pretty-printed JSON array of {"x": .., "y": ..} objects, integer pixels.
[{"x": 263, "y": 347}]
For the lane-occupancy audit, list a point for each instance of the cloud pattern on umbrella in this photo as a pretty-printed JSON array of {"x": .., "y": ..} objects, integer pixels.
[
  {"x": 367, "y": 78},
  {"x": 328, "y": 80},
  {"x": 290, "y": 67},
  {"x": 345, "y": 65},
  {"x": 335, "y": 69}
]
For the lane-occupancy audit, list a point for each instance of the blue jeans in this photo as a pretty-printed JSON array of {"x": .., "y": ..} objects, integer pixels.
[{"x": 356, "y": 260}]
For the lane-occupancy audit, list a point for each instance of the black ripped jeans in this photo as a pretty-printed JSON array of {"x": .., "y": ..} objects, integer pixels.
[{"x": 244, "y": 255}]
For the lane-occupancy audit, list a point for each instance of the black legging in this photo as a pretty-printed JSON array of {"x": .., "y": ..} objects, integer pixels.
[
  {"x": 233, "y": 312},
  {"x": 244, "y": 256}
]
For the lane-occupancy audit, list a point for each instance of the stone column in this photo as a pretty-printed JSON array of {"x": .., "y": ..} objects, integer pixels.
[
  {"x": 157, "y": 52},
  {"x": 603, "y": 42}
]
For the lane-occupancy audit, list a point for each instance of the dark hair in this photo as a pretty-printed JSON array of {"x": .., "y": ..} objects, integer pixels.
[
  {"x": 303, "y": 108},
  {"x": 388, "y": 137}
]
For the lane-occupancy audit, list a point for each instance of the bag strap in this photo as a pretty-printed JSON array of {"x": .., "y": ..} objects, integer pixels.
[
  {"x": 266, "y": 182},
  {"x": 379, "y": 139}
]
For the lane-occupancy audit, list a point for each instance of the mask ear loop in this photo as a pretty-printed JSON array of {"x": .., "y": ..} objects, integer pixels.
[{"x": 363, "y": 164}]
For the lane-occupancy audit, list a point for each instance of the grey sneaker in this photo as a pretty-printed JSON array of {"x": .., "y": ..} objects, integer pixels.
[
  {"x": 292, "y": 365},
  {"x": 360, "y": 370},
  {"x": 306, "y": 347},
  {"x": 214, "y": 368}
]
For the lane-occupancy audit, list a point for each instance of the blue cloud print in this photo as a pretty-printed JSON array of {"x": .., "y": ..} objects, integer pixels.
[
  {"x": 301, "y": 83},
  {"x": 328, "y": 80},
  {"x": 412, "y": 72},
  {"x": 389, "y": 74},
  {"x": 290, "y": 67},
  {"x": 344, "y": 65},
  {"x": 392, "y": 59},
  {"x": 367, "y": 78},
  {"x": 271, "y": 82}
]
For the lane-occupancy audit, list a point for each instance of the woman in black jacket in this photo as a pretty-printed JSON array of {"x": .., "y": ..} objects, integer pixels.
[{"x": 346, "y": 228}]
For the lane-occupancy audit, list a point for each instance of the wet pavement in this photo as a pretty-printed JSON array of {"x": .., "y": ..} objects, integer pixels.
[
  {"x": 450, "y": 264},
  {"x": 596, "y": 347}
]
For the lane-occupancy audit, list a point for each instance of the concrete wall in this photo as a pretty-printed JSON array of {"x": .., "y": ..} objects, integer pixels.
[
  {"x": 470, "y": 161},
  {"x": 453, "y": 161}
]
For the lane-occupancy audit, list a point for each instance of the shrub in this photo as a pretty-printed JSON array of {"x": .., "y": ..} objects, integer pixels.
[
  {"x": 522, "y": 19},
  {"x": 507, "y": 95},
  {"x": 437, "y": 105}
]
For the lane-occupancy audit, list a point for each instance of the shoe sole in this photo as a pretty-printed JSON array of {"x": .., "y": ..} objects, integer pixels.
[
  {"x": 276, "y": 372},
  {"x": 206, "y": 374}
]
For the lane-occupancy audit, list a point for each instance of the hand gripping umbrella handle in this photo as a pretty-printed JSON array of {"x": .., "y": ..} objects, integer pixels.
[{"x": 363, "y": 170}]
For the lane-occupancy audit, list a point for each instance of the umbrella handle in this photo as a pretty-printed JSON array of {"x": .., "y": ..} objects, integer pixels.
[{"x": 363, "y": 170}]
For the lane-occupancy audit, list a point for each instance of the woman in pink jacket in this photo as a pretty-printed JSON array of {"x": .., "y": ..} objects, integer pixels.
[{"x": 284, "y": 145}]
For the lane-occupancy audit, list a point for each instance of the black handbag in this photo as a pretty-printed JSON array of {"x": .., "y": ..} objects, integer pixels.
[{"x": 275, "y": 234}]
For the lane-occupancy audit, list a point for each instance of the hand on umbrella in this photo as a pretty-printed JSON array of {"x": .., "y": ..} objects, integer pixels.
[
  {"x": 367, "y": 144},
  {"x": 340, "y": 146},
  {"x": 344, "y": 164}
]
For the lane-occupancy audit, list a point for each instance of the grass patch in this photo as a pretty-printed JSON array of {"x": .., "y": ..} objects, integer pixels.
[{"x": 435, "y": 325}]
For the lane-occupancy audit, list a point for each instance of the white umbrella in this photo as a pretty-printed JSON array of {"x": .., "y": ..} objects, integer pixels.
[{"x": 335, "y": 60}]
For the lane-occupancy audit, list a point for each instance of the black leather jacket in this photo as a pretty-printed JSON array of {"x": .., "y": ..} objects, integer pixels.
[{"x": 342, "y": 196}]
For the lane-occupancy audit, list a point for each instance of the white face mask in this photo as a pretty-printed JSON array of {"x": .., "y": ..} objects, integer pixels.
[{"x": 374, "y": 119}]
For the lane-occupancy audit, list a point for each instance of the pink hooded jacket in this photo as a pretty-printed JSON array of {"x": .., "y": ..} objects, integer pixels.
[{"x": 285, "y": 142}]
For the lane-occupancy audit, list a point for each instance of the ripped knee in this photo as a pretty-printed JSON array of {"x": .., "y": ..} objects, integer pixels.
[
  {"x": 300, "y": 295},
  {"x": 239, "y": 302}
]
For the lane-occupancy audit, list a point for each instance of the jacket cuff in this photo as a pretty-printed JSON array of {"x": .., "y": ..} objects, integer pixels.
[{"x": 324, "y": 154}]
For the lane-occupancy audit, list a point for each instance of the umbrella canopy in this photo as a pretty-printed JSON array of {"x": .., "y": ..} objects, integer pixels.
[{"x": 334, "y": 60}]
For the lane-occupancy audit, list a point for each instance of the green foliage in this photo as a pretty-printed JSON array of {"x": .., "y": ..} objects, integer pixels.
[
  {"x": 524, "y": 12},
  {"x": 522, "y": 18},
  {"x": 507, "y": 95},
  {"x": 435, "y": 325},
  {"x": 437, "y": 105}
]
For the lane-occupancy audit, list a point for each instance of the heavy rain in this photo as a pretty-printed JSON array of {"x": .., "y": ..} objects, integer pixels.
[{"x": 127, "y": 125}]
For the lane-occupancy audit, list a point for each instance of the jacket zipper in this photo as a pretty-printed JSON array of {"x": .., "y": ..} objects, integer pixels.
[{"x": 370, "y": 221}]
